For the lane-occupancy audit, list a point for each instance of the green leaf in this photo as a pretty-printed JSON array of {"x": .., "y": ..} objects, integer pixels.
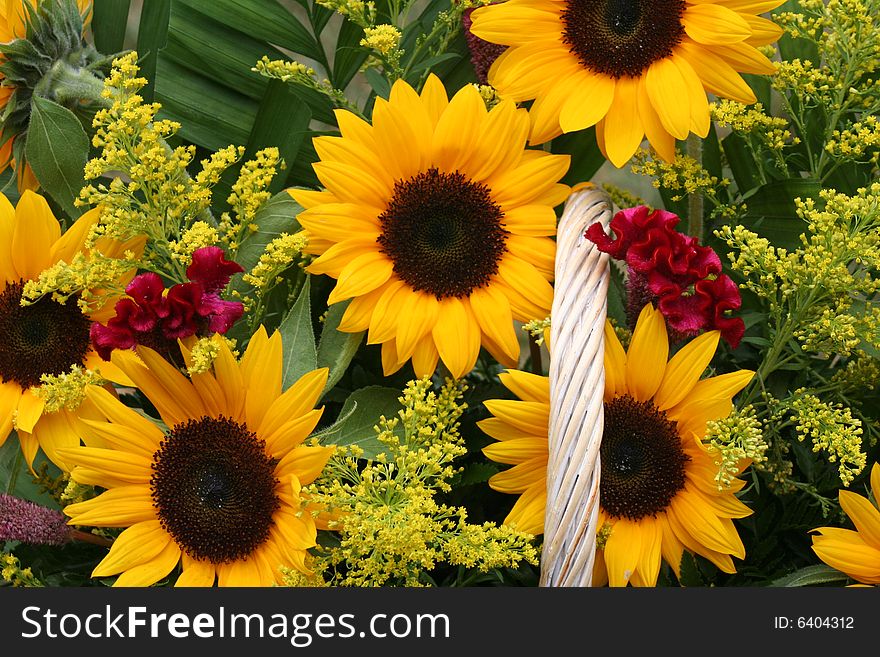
[
  {"x": 378, "y": 82},
  {"x": 109, "y": 23},
  {"x": 690, "y": 571},
  {"x": 265, "y": 20},
  {"x": 152, "y": 36},
  {"x": 57, "y": 150},
  {"x": 299, "y": 355},
  {"x": 15, "y": 477},
  {"x": 282, "y": 121},
  {"x": 810, "y": 576},
  {"x": 211, "y": 115},
  {"x": 362, "y": 411},
  {"x": 586, "y": 158},
  {"x": 349, "y": 56},
  {"x": 772, "y": 211},
  {"x": 336, "y": 348},
  {"x": 741, "y": 162}
]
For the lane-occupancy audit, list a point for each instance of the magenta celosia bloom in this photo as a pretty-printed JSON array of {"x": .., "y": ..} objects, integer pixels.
[
  {"x": 27, "y": 522},
  {"x": 483, "y": 53},
  {"x": 156, "y": 318},
  {"x": 673, "y": 271}
]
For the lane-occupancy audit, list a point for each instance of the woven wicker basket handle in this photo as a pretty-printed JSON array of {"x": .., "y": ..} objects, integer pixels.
[{"x": 577, "y": 382}]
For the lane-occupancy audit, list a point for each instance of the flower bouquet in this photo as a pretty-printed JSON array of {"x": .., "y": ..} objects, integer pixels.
[{"x": 285, "y": 299}]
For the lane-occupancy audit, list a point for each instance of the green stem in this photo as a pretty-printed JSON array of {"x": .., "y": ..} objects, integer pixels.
[{"x": 695, "y": 201}]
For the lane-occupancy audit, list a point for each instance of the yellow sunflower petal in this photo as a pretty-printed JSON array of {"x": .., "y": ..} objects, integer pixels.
[
  {"x": 672, "y": 548},
  {"x": 716, "y": 387},
  {"x": 850, "y": 555},
  {"x": 875, "y": 481},
  {"x": 116, "y": 466},
  {"x": 648, "y": 566},
  {"x": 521, "y": 185},
  {"x": 500, "y": 145},
  {"x": 685, "y": 368},
  {"x": 362, "y": 275},
  {"x": 292, "y": 433},
  {"x": 401, "y": 148},
  {"x": 434, "y": 98},
  {"x": 118, "y": 413},
  {"x": 717, "y": 76},
  {"x": 10, "y": 395},
  {"x": 391, "y": 363},
  {"x": 622, "y": 129},
  {"x": 418, "y": 314},
  {"x": 589, "y": 101},
  {"x": 524, "y": 279},
  {"x": 172, "y": 408},
  {"x": 196, "y": 573},
  {"x": 745, "y": 59},
  {"x": 707, "y": 528},
  {"x": 36, "y": 230},
  {"x": 54, "y": 432},
  {"x": 136, "y": 545},
  {"x": 520, "y": 477},
  {"x": 527, "y": 386},
  {"x": 615, "y": 364},
  {"x": 457, "y": 336},
  {"x": 73, "y": 239},
  {"x": 261, "y": 371},
  {"x": 30, "y": 408},
  {"x": 493, "y": 313},
  {"x": 668, "y": 90},
  {"x": 458, "y": 130},
  {"x": 518, "y": 450},
  {"x": 359, "y": 312},
  {"x": 527, "y": 514},
  {"x": 296, "y": 401},
  {"x": 646, "y": 358},
  {"x": 424, "y": 358},
  {"x": 8, "y": 273},
  {"x": 531, "y": 220},
  {"x": 623, "y": 551},
  {"x": 527, "y": 416},
  {"x": 864, "y": 515},
  {"x": 501, "y": 430},
  {"x": 544, "y": 112},
  {"x": 118, "y": 507},
  {"x": 152, "y": 571},
  {"x": 306, "y": 462},
  {"x": 656, "y": 134},
  {"x": 714, "y": 24}
]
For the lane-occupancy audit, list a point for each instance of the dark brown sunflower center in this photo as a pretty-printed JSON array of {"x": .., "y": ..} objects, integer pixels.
[
  {"x": 443, "y": 233},
  {"x": 213, "y": 488},
  {"x": 45, "y": 337},
  {"x": 643, "y": 464},
  {"x": 622, "y": 37}
]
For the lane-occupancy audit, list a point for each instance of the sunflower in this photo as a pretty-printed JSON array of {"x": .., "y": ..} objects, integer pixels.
[
  {"x": 632, "y": 68},
  {"x": 436, "y": 223},
  {"x": 856, "y": 553},
  {"x": 219, "y": 489},
  {"x": 46, "y": 337},
  {"x": 657, "y": 494},
  {"x": 13, "y": 14}
]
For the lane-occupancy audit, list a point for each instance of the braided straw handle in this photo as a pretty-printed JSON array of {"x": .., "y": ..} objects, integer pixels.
[{"x": 577, "y": 384}]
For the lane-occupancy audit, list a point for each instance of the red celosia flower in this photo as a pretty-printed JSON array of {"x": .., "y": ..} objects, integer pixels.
[
  {"x": 483, "y": 53},
  {"x": 671, "y": 269},
  {"x": 152, "y": 317}
]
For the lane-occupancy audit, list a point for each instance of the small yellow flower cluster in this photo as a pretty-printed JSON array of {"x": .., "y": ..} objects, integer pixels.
[
  {"x": 819, "y": 289},
  {"x": 861, "y": 374},
  {"x": 832, "y": 429},
  {"x": 249, "y": 194},
  {"x": 205, "y": 351},
  {"x": 12, "y": 572},
  {"x": 622, "y": 198},
  {"x": 74, "y": 492},
  {"x": 735, "y": 440},
  {"x": 489, "y": 94},
  {"x": 283, "y": 70},
  {"x": 684, "y": 174},
  {"x": 280, "y": 254},
  {"x": 297, "y": 73},
  {"x": 602, "y": 535},
  {"x": 538, "y": 329},
  {"x": 151, "y": 192},
  {"x": 66, "y": 390},
  {"x": 805, "y": 79},
  {"x": 771, "y": 130},
  {"x": 91, "y": 277},
  {"x": 197, "y": 236},
  {"x": 357, "y": 11},
  {"x": 384, "y": 39},
  {"x": 853, "y": 142},
  {"x": 392, "y": 530}
]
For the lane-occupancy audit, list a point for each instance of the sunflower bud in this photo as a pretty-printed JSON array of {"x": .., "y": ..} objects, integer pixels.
[{"x": 44, "y": 55}]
